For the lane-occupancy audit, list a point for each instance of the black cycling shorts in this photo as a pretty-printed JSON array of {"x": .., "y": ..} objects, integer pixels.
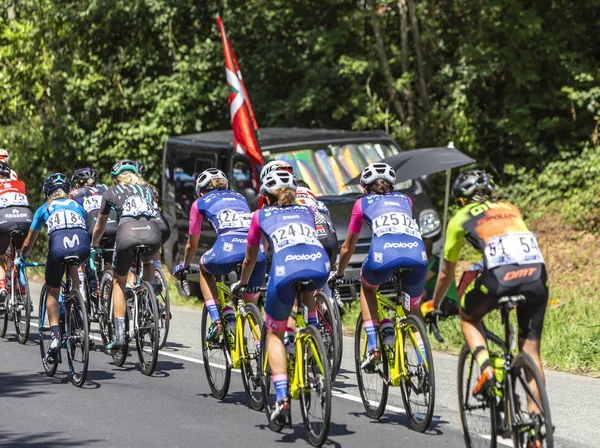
[
  {"x": 112, "y": 225},
  {"x": 482, "y": 294},
  {"x": 14, "y": 218},
  {"x": 327, "y": 235},
  {"x": 163, "y": 226},
  {"x": 132, "y": 233},
  {"x": 64, "y": 243}
]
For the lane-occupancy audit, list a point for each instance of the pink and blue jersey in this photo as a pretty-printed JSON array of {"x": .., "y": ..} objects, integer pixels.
[
  {"x": 297, "y": 256},
  {"x": 396, "y": 241}
]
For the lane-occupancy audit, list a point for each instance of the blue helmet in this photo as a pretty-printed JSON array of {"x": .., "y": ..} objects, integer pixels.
[{"x": 56, "y": 181}]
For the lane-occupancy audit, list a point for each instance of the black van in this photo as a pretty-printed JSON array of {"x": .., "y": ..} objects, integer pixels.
[{"x": 326, "y": 159}]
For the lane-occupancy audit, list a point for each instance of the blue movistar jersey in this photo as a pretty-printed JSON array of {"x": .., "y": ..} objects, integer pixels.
[{"x": 63, "y": 213}]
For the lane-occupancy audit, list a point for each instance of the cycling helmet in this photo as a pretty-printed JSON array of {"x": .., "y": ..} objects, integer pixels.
[
  {"x": 56, "y": 181},
  {"x": 4, "y": 156},
  {"x": 377, "y": 171},
  {"x": 82, "y": 175},
  {"x": 4, "y": 170},
  {"x": 277, "y": 180},
  {"x": 205, "y": 178},
  {"x": 275, "y": 165},
  {"x": 140, "y": 167},
  {"x": 471, "y": 182},
  {"x": 124, "y": 165}
]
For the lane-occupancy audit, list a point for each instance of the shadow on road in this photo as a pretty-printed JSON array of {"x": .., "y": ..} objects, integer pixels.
[
  {"x": 22, "y": 386},
  {"x": 298, "y": 432},
  {"x": 401, "y": 419},
  {"x": 174, "y": 346},
  {"x": 47, "y": 440}
]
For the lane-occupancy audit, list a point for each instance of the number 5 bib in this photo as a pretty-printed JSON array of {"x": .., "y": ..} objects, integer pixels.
[{"x": 512, "y": 248}]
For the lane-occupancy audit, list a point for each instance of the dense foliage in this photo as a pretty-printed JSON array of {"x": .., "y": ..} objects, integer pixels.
[{"x": 512, "y": 82}]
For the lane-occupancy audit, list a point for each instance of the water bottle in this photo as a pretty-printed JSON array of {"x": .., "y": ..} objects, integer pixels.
[
  {"x": 229, "y": 319},
  {"x": 289, "y": 340},
  {"x": 388, "y": 333}
]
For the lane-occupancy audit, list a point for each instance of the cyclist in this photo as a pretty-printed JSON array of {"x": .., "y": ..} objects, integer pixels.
[
  {"x": 513, "y": 265},
  {"x": 133, "y": 201},
  {"x": 5, "y": 158},
  {"x": 229, "y": 214},
  {"x": 297, "y": 256},
  {"x": 396, "y": 244},
  {"x": 14, "y": 215},
  {"x": 65, "y": 220}
]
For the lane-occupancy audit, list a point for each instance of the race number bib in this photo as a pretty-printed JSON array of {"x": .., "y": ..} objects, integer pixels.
[
  {"x": 293, "y": 234},
  {"x": 230, "y": 219},
  {"x": 137, "y": 206},
  {"x": 395, "y": 222},
  {"x": 13, "y": 200},
  {"x": 91, "y": 203},
  {"x": 65, "y": 219},
  {"x": 512, "y": 248}
]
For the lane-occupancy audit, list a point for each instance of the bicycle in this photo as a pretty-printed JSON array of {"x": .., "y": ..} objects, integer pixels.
[
  {"x": 408, "y": 364},
  {"x": 73, "y": 325},
  {"x": 330, "y": 327},
  {"x": 18, "y": 304},
  {"x": 140, "y": 320},
  {"x": 503, "y": 411},
  {"x": 93, "y": 271},
  {"x": 308, "y": 373},
  {"x": 164, "y": 305}
]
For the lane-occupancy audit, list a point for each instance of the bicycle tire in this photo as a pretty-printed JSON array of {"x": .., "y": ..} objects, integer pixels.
[
  {"x": 320, "y": 382},
  {"x": 165, "y": 313},
  {"x": 77, "y": 330},
  {"x": 107, "y": 326},
  {"x": 147, "y": 325},
  {"x": 522, "y": 363},
  {"x": 479, "y": 429},
  {"x": 425, "y": 376},
  {"x": 22, "y": 311},
  {"x": 44, "y": 329},
  {"x": 250, "y": 366},
  {"x": 373, "y": 411},
  {"x": 340, "y": 340},
  {"x": 4, "y": 318},
  {"x": 268, "y": 391},
  {"x": 212, "y": 365},
  {"x": 328, "y": 327}
]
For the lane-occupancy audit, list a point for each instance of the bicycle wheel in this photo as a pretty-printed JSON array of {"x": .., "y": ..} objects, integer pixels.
[
  {"x": 44, "y": 333},
  {"x": 77, "y": 333},
  {"x": 4, "y": 316},
  {"x": 146, "y": 338},
  {"x": 164, "y": 306},
  {"x": 252, "y": 325},
  {"x": 418, "y": 386},
  {"x": 340, "y": 340},
  {"x": 107, "y": 325},
  {"x": 22, "y": 310},
  {"x": 477, "y": 417},
  {"x": 532, "y": 420},
  {"x": 215, "y": 354},
  {"x": 268, "y": 391},
  {"x": 328, "y": 328},
  {"x": 315, "y": 399},
  {"x": 372, "y": 385}
]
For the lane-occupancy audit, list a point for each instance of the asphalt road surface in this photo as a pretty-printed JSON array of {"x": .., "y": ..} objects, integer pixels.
[{"x": 122, "y": 407}]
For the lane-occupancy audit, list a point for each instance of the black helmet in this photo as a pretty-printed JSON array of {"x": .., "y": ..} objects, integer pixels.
[
  {"x": 4, "y": 170},
  {"x": 471, "y": 183},
  {"x": 56, "y": 181},
  {"x": 82, "y": 175}
]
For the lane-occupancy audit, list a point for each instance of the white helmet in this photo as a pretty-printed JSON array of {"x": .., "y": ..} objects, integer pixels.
[
  {"x": 206, "y": 176},
  {"x": 277, "y": 180},
  {"x": 275, "y": 165},
  {"x": 377, "y": 171},
  {"x": 4, "y": 156}
]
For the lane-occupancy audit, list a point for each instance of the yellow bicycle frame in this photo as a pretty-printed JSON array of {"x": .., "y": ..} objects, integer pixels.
[
  {"x": 396, "y": 363},
  {"x": 238, "y": 350}
]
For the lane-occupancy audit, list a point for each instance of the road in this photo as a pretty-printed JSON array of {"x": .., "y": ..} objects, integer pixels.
[{"x": 122, "y": 407}]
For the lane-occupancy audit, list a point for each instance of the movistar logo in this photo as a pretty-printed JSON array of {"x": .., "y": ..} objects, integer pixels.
[{"x": 69, "y": 243}]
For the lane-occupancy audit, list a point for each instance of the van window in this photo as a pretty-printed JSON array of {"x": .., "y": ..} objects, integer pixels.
[{"x": 241, "y": 176}]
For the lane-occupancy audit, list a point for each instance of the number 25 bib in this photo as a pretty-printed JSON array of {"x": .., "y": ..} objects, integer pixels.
[{"x": 395, "y": 222}]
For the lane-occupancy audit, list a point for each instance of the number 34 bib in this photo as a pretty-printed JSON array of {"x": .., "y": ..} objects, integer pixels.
[{"x": 512, "y": 248}]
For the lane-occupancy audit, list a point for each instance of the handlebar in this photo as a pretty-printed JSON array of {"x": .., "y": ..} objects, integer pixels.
[
  {"x": 28, "y": 264},
  {"x": 185, "y": 285},
  {"x": 432, "y": 320},
  {"x": 341, "y": 282}
]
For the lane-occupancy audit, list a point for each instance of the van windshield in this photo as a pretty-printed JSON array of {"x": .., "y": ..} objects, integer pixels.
[{"x": 328, "y": 168}]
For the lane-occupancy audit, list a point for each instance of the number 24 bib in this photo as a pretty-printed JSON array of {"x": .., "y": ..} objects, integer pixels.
[
  {"x": 293, "y": 234},
  {"x": 512, "y": 248}
]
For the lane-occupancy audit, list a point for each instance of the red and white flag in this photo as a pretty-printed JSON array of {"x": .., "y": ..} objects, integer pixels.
[{"x": 243, "y": 122}]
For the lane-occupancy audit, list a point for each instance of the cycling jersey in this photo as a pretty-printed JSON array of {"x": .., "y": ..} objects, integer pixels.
[
  {"x": 396, "y": 241},
  {"x": 323, "y": 222},
  {"x": 297, "y": 256},
  {"x": 229, "y": 214},
  {"x": 14, "y": 212},
  {"x": 91, "y": 199},
  {"x": 130, "y": 201},
  {"x": 62, "y": 214}
]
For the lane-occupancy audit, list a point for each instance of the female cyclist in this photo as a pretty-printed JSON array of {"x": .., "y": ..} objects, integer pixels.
[
  {"x": 229, "y": 214},
  {"x": 134, "y": 201},
  {"x": 297, "y": 256},
  {"x": 396, "y": 243},
  {"x": 65, "y": 220}
]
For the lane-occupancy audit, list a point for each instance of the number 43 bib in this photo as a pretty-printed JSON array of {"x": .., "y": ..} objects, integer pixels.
[{"x": 512, "y": 248}]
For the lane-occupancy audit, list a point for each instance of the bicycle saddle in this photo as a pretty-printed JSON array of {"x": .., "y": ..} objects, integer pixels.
[
  {"x": 509, "y": 302},
  {"x": 71, "y": 260},
  {"x": 16, "y": 233},
  {"x": 142, "y": 249},
  {"x": 304, "y": 285}
]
